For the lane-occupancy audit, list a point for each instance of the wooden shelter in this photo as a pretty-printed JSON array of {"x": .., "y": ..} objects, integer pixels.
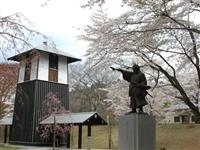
[
  {"x": 78, "y": 119},
  {"x": 6, "y": 123}
]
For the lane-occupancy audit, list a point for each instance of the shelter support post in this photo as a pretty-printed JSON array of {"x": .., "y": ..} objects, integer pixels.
[
  {"x": 68, "y": 140},
  {"x": 89, "y": 137},
  {"x": 79, "y": 136},
  {"x": 6, "y": 134}
]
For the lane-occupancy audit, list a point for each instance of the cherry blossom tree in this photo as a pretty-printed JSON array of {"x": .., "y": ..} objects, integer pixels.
[
  {"x": 8, "y": 82},
  {"x": 162, "y": 36},
  {"x": 52, "y": 105},
  {"x": 86, "y": 86},
  {"x": 117, "y": 98},
  {"x": 16, "y": 32},
  {"x": 4, "y": 109}
]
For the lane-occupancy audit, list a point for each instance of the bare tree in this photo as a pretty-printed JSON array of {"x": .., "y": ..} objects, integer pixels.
[
  {"x": 161, "y": 35},
  {"x": 16, "y": 33}
]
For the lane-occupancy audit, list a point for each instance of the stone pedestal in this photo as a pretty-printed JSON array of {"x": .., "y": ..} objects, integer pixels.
[{"x": 137, "y": 132}]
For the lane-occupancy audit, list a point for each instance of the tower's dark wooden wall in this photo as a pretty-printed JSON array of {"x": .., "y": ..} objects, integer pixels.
[{"x": 28, "y": 104}]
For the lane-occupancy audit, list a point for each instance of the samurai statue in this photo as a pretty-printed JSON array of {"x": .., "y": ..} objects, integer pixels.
[{"x": 137, "y": 87}]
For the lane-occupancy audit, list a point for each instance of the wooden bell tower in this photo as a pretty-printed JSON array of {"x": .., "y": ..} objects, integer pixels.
[{"x": 43, "y": 69}]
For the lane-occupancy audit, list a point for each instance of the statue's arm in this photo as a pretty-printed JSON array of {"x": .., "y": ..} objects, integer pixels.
[
  {"x": 126, "y": 74},
  {"x": 115, "y": 69}
]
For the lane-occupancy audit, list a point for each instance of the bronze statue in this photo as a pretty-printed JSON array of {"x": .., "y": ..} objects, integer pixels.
[{"x": 137, "y": 87}]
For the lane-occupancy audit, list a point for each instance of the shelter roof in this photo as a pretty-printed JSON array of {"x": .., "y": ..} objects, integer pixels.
[
  {"x": 84, "y": 118},
  {"x": 46, "y": 49}
]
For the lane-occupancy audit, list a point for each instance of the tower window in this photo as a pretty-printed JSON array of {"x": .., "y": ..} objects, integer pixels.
[
  {"x": 53, "y": 67},
  {"x": 27, "y": 74}
]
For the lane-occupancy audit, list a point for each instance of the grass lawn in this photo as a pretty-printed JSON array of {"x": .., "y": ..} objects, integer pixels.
[
  {"x": 99, "y": 137},
  {"x": 170, "y": 137},
  {"x": 178, "y": 137},
  {"x": 7, "y": 148}
]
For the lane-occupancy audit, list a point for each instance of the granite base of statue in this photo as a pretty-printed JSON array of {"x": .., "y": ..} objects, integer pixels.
[{"x": 137, "y": 132}]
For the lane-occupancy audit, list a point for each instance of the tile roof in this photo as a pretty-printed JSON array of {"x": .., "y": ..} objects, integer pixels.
[{"x": 46, "y": 49}]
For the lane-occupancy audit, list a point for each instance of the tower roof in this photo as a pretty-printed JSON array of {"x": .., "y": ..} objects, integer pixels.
[{"x": 45, "y": 49}]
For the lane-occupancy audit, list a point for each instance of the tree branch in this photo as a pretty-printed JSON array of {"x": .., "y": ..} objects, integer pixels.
[{"x": 196, "y": 56}]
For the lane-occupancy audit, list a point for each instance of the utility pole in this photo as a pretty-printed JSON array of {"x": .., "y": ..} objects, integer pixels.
[
  {"x": 109, "y": 133},
  {"x": 54, "y": 131}
]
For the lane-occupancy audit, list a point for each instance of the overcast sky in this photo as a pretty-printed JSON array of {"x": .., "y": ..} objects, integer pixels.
[{"x": 59, "y": 19}]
